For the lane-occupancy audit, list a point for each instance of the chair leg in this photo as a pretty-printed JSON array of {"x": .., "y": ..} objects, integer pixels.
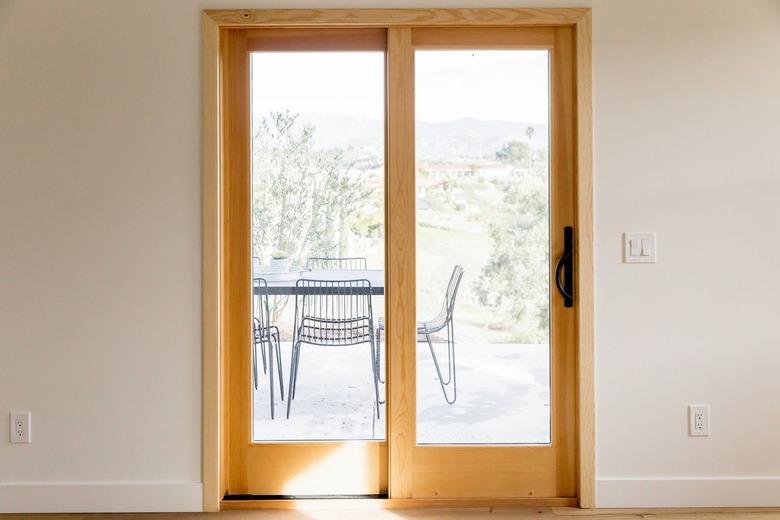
[
  {"x": 379, "y": 355},
  {"x": 378, "y": 363},
  {"x": 294, "y": 382},
  {"x": 451, "y": 360},
  {"x": 446, "y": 382},
  {"x": 279, "y": 366},
  {"x": 291, "y": 381},
  {"x": 374, "y": 372},
  {"x": 271, "y": 374},
  {"x": 265, "y": 367},
  {"x": 254, "y": 363},
  {"x": 450, "y": 365}
]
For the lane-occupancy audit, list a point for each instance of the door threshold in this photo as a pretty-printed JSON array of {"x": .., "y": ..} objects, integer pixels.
[
  {"x": 231, "y": 502},
  {"x": 302, "y": 497}
]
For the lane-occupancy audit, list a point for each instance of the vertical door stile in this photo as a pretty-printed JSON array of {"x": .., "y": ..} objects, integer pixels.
[
  {"x": 237, "y": 265},
  {"x": 563, "y": 214},
  {"x": 401, "y": 261}
]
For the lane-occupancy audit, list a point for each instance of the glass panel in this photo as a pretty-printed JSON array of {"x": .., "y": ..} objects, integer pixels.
[
  {"x": 482, "y": 143},
  {"x": 318, "y": 214}
]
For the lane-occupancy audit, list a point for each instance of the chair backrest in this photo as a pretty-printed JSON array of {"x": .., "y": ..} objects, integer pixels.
[
  {"x": 333, "y": 312},
  {"x": 448, "y": 306},
  {"x": 452, "y": 289},
  {"x": 261, "y": 312},
  {"x": 345, "y": 263}
]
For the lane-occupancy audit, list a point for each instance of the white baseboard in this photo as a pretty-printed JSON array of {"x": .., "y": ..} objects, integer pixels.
[
  {"x": 99, "y": 497},
  {"x": 688, "y": 492}
]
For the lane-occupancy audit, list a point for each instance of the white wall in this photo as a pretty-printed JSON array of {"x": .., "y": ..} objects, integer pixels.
[
  {"x": 687, "y": 110},
  {"x": 100, "y": 234},
  {"x": 99, "y": 262}
]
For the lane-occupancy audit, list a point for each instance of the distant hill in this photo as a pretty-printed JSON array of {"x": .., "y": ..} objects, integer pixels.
[
  {"x": 460, "y": 138},
  {"x": 343, "y": 131},
  {"x": 473, "y": 138}
]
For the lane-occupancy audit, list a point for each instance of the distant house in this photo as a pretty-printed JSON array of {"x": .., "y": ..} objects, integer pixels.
[{"x": 487, "y": 170}]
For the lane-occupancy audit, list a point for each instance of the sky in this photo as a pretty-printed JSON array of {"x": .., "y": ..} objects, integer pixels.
[{"x": 507, "y": 85}]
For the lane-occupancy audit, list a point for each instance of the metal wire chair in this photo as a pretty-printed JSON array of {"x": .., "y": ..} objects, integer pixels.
[
  {"x": 332, "y": 313},
  {"x": 425, "y": 329},
  {"x": 345, "y": 263},
  {"x": 265, "y": 335}
]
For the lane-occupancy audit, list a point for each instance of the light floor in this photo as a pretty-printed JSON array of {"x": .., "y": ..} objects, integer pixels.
[{"x": 540, "y": 513}]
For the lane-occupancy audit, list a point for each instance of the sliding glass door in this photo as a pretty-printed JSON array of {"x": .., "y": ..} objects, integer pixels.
[
  {"x": 400, "y": 318},
  {"x": 494, "y": 358},
  {"x": 309, "y": 120}
]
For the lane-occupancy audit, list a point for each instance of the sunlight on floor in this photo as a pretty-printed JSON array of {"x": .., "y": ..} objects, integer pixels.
[{"x": 339, "y": 514}]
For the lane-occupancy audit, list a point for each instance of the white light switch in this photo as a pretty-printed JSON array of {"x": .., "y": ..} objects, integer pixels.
[
  {"x": 639, "y": 248},
  {"x": 647, "y": 247},
  {"x": 634, "y": 247}
]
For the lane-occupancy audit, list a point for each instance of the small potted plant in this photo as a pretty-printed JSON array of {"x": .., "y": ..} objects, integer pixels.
[{"x": 280, "y": 262}]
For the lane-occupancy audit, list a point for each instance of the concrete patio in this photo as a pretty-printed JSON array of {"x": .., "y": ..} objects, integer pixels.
[{"x": 503, "y": 396}]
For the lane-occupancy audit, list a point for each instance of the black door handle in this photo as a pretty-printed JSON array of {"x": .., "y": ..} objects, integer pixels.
[{"x": 564, "y": 269}]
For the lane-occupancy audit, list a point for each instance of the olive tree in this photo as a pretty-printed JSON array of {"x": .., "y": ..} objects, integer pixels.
[
  {"x": 515, "y": 281},
  {"x": 304, "y": 198}
]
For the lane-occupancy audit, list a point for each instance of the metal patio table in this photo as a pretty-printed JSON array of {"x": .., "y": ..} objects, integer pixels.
[{"x": 281, "y": 284}]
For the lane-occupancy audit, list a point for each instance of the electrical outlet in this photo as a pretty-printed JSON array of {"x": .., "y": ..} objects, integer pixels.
[
  {"x": 20, "y": 427},
  {"x": 699, "y": 420}
]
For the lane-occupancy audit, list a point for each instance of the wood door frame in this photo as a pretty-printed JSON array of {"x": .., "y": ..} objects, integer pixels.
[{"x": 214, "y": 463}]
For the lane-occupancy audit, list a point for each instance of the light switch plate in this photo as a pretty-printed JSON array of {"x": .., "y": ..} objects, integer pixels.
[{"x": 639, "y": 248}]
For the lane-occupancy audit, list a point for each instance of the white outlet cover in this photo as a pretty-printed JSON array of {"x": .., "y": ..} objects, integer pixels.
[
  {"x": 699, "y": 420},
  {"x": 19, "y": 427}
]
